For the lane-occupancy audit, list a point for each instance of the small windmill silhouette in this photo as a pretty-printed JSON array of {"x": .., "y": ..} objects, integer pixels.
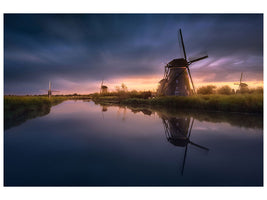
[
  {"x": 49, "y": 91},
  {"x": 241, "y": 84}
]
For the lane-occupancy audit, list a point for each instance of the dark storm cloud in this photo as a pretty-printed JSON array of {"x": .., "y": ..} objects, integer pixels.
[{"x": 81, "y": 47}]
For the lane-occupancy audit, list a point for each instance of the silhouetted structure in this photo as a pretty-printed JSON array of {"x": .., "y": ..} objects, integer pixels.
[
  {"x": 103, "y": 88},
  {"x": 49, "y": 91},
  {"x": 104, "y": 108},
  {"x": 177, "y": 74},
  {"x": 178, "y": 131},
  {"x": 243, "y": 87}
]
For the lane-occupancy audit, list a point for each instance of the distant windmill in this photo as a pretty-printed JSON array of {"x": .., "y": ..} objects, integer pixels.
[
  {"x": 178, "y": 132},
  {"x": 104, "y": 109},
  {"x": 242, "y": 86},
  {"x": 49, "y": 91},
  {"x": 103, "y": 88},
  {"x": 177, "y": 74}
]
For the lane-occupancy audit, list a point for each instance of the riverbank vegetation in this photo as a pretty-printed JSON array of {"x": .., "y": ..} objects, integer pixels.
[
  {"x": 18, "y": 109},
  {"x": 227, "y": 90},
  {"x": 250, "y": 102}
]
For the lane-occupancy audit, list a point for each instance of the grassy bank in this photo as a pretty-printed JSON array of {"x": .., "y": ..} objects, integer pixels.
[
  {"x": 18, "y": 109},
  {"x": 247, "y": 103}
]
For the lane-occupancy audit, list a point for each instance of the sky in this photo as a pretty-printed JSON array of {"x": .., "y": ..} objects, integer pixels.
[{"x": 77, "y": 51}]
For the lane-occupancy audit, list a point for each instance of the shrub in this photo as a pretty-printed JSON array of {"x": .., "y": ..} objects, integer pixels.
[
  {"x": 209, "y": 89},
  {"x": 258, "y": 90},
  {"x": 224, "y": 90}
]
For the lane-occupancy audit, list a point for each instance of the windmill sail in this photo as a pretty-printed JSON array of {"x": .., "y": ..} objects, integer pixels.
[
  {"x": 197, "y": 59},
  {"x": 241, "y": 77},
  {"x": 189, "y": 73},
  {"x": 182, "y": 43}
]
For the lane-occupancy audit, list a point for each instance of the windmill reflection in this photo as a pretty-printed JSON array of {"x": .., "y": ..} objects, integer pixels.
[
  {"x": 178, "y": 131},
  {"x": 104, "y": 108}
]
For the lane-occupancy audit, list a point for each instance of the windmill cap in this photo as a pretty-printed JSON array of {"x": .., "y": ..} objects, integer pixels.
[
  {"x": 180, "y": 62},
  {"x": 179, "y": 142}
]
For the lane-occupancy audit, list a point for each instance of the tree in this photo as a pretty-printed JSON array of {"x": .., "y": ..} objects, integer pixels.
[
  {"x": 123, "y": 87},
  {"x": 209, "y": 89},
  {"x": 224, "y": 90}
]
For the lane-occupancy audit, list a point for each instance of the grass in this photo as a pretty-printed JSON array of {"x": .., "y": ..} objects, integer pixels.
[
  {"x": 248, "y": 103},
  {"x": 18, "y": 109}
]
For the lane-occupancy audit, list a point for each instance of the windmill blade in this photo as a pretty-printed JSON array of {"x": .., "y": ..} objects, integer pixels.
[
  {"x": 197, "y": 59},
  {"x": 191, "y": 79},
  {"x": 241, "y": 77},
  {"x": 166, "y": 128},
  {"x": 182, "y": 41},
  {"x": 55, "y": 91},
  {"x": 199, "y": 146},
  {"x": 191, "y": 128},
  {"x": 185, "y": 153},
  {"x": 101, "y": 86},
  {"x": 243, "y": 84}
]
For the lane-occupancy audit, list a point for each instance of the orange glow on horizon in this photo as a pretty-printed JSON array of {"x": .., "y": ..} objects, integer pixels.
[{"x": 143, "y": 83}]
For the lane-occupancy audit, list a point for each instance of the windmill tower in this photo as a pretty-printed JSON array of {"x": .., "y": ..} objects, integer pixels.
[
  {"x": 178, "y": 132},
  {"x": 177, "y": 75},
  {"x": 243, "y": 87},
  {"x": 103, "y": 88}
]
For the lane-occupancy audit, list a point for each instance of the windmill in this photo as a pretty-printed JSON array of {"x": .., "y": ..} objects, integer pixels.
[
  {"x": 178, "y": 132},
  {"x": 49, "y": 91},
  {"x": 103, "y": 88},
  {"x": 104, "y": 109},
  {"x": 242, "y": 86},
  {"x": 177, "y": 74}
]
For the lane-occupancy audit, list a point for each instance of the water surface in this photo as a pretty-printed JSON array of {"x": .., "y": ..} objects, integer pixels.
[{"x": 82, "y": 144}]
